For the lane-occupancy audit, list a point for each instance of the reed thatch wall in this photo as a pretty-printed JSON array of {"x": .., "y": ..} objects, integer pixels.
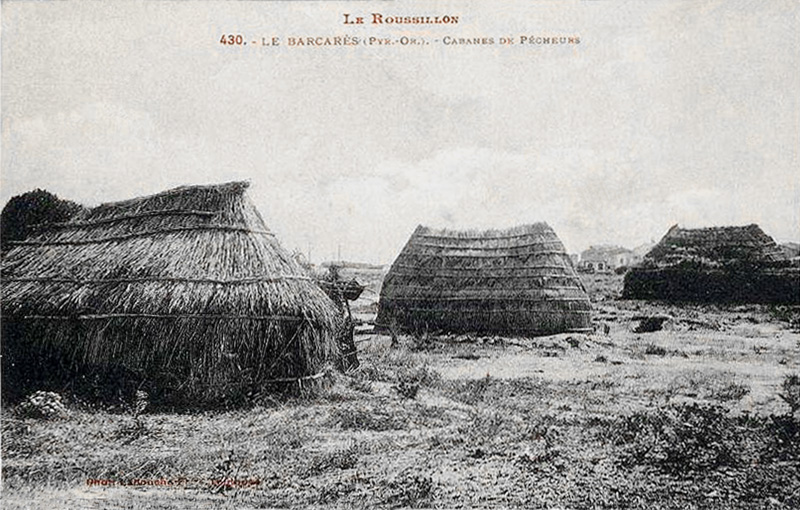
[
  {"x": 186, "y": 290},
  {"x": 719, "y": 264},
  {"x": 518, "y": 281}
]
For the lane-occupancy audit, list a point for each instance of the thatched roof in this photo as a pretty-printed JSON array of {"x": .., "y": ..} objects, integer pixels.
[
  {"x": 713, "y": 246},
  {"x": 188, "y": 282},
  {"x": 718, "y": 264},
  {"x": 515, "y": 281}
]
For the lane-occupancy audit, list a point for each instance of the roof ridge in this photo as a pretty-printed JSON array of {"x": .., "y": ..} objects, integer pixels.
[
  {"x": 483, "y": 234},
  {"x": 230, "y": 187}
]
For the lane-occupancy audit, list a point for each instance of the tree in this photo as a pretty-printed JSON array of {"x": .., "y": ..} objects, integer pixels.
[{"x": 23, "y": 212}]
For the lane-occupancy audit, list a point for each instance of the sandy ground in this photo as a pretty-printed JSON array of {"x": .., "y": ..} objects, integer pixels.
[{"x": 686, "y": 417}]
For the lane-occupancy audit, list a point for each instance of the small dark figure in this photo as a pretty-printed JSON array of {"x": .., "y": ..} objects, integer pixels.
[{"x": 341, "y": 293}]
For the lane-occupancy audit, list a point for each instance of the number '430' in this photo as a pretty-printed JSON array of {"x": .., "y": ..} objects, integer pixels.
[{"x": 231, "y": 39}]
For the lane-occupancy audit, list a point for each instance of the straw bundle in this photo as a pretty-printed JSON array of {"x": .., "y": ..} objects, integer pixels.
[
  {"x": 516, "y": 281},
  {"x": 186, "y": 289},
  {"x": 718, "y": 264}
]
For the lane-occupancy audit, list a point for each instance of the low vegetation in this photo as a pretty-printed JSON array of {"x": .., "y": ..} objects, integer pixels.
[{"x": 690, "y": 416}]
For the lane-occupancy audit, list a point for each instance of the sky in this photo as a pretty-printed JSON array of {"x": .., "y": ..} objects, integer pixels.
[{"x": 666, "y": 112}]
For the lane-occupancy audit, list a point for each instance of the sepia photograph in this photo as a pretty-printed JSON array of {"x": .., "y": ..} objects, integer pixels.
[{"x": 539, "y": 254}]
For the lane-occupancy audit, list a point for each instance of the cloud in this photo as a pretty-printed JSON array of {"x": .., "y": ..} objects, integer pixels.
[
  {"x": 463, "y": 188},
  {"x": 100, "y": 152},
  {"x": 650, "y": 121}
]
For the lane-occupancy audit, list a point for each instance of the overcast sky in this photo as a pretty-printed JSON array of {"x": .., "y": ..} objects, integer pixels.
[{"x": 666, "y": 112}]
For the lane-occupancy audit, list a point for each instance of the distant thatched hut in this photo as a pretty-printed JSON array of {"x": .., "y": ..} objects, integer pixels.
[
  {"x": 516, "y": 281},
  {"x": 720, "y": 264},
  {"x": 186, "y": 292}
]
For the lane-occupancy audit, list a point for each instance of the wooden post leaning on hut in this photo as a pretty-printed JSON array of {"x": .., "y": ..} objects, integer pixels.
[{"x": 341, "y": 293}]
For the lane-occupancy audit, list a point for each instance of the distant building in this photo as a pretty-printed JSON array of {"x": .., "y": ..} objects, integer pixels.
[
  {"x": 345, "y": 264},
  {"x": 606, "y": 258},
  {"x": 791, "y": 250},
  {"x": 644, "y": 249}
]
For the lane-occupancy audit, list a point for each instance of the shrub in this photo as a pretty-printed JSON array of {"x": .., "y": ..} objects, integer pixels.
[
  {"x": 650, "y": 324},
  {"x": 678, "y": 440},
  {"x": 470, "y": 391},
  {"x": 44, "y": 405},
  {"x": 486, "y": 427},
  {"x": 394, "y": 366},
  {"x": 422, "y": 342},
  {"x": 411, "y": 490},
  {"x": 787, "y": 314},
  {"x": 345, "y": 458},
  {"x": 407, "y": 389},
  {"x": 354, "y": 418},
  {"x": 730, "y": 392},
  {"x": 655, "y": 350},
  {"x": 23, "y": 212},
  {"x": 422, "y": 376},
  {"x": 332, "y": 492},
  {"x": 783, "y": 433},
  {"x": 791, "y": 392}
]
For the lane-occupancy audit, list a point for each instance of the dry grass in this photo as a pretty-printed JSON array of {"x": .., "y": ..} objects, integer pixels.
[{"x": 507, "y": 426}]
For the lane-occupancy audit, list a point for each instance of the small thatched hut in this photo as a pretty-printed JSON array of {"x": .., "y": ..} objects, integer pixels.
[
  {"x": 185, "y": 292},
  {"x": 719, "y": 264},
  {"x": 518, "y": 281}
]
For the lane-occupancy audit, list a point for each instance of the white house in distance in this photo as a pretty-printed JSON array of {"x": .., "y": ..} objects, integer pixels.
[
  {"x": 644, "y": 249},
  {"x": 605, "y": 258}
]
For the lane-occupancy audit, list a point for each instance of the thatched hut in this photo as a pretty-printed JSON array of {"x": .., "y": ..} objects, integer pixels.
[
  {"x": 718, "y": 264},
  {"x": 185, "y": 292},
  {"x": 518, "y": 281}
]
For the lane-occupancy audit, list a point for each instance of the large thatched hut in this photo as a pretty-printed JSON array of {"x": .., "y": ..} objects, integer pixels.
[
  {"x": 718, "y": 264},
  {"x": 185, "y": 292},
  {"x": 518, "y": 281}
]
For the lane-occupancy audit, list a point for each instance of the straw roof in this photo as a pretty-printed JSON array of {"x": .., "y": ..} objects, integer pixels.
[
  {"x": 188, "y": 284},
  {"x": 714, "y": 246},
  {"x": 515, "y": 281},
  {"x": 717, "y": 264}
]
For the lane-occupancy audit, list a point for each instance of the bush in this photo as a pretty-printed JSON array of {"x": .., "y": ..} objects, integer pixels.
[
  {"x": 786, "y": 313},
  {"x": 679, "y": 440},
  {"x": 655, "y": 350},
  {"x": 731, "y": 392},
  {"x": 783, "y": 433},
  {"x": 650, "y": 324},
  {"x": 44, "y": 405},
  {"x": 356, "y": 418},
  {"x": 23, "y": 212},
  {"x": 407, "y": 389},
  {"x": 411, "y": 491},
  {"x": 422, "y": 342},
  {"x": 691, "y": 439},
  {"x": 471, "y": 391},
  {"x": 791, "y": 392},
  {"x": 346, "y": 458}
]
